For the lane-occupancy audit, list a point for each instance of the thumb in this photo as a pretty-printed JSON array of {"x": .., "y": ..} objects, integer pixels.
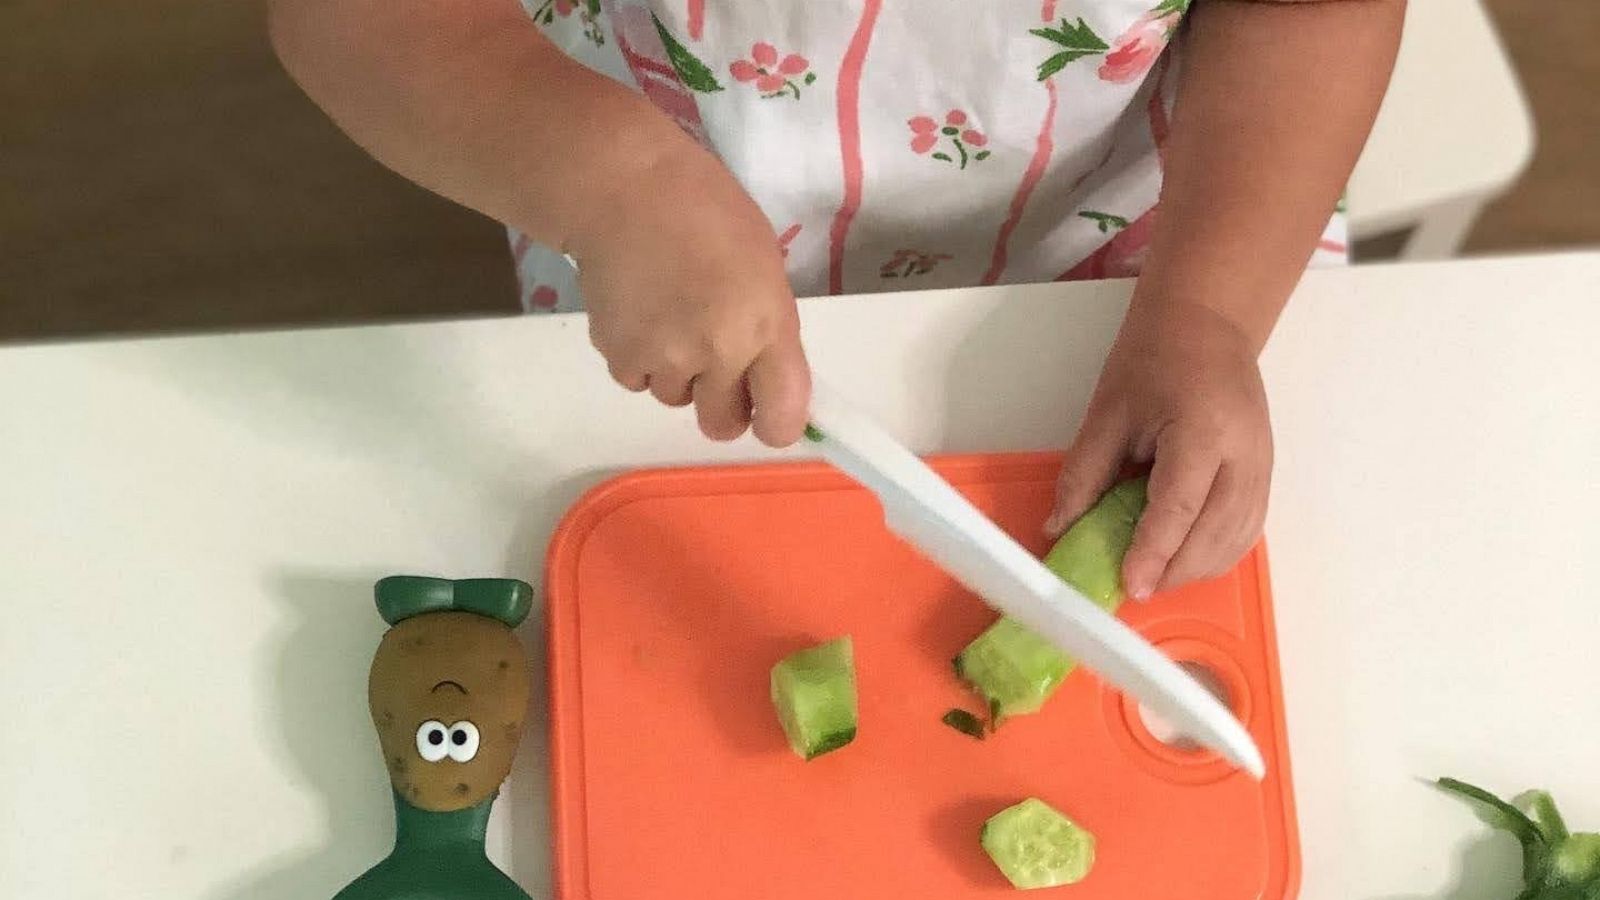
[
  {"x": 780, "y": 392},
  {"x": 1093, "y": 462}
]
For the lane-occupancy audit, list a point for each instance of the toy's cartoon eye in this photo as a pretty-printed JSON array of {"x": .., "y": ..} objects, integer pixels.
[
  {"x": 463, "y": 741},
  {"x": 433, "y": 740}
]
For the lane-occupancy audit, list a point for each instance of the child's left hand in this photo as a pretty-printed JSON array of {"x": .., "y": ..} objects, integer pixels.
[{"x": 1184, "y": 391}]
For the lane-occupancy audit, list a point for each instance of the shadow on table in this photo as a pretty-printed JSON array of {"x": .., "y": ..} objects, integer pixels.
[
  {"x": 1486, "y": 867},
  {"x": 525, "y": 799},
  {"x": 316, "y": 677}
]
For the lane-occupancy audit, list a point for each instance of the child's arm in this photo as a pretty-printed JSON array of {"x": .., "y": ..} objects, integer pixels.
[
  {"x": 1274, "y": 103},
  {"x": 469, "y": 99}
]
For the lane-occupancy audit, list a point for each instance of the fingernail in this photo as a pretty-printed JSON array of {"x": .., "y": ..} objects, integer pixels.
[
  {"x": 1139, "y": 590},
  {"x": 1053, "y": 525}
]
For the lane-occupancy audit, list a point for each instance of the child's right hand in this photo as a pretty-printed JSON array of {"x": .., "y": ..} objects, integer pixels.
[
  {"x": 687, "y": 298},
  {"x": 679, "y": 268}
]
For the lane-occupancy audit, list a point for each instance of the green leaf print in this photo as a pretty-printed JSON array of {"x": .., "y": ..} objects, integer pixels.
[
  {"x": 1078, "y": 39},
  {"x": 695, "y": 75},
  {"x": 594, "y": 8},
  {"x": 1106, "y": 221},
  {"x": 1170, "y": 7}
]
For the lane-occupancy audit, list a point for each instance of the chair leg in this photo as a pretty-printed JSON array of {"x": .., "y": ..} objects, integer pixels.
[{"x": 1442, "y": 230}]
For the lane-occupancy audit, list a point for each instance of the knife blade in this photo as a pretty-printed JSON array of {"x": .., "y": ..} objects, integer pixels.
[{"x": 932, "y": 516}]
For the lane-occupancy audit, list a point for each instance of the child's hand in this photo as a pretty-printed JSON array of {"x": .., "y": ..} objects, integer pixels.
[
  {"x": 687, "y": 298},
  {"x": 1188, "y": 395}
]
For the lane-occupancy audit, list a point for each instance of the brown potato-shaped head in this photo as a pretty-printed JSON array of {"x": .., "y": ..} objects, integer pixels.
[{"x": 448, "y": 691}]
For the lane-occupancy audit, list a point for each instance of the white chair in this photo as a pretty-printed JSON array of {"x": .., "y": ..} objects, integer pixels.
[{"x": 1454, "y": 132}]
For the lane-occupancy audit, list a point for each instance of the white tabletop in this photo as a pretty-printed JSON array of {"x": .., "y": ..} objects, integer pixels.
[
  {"x": 1453, "y": 126},
  {"x": 193, "y": 525}
]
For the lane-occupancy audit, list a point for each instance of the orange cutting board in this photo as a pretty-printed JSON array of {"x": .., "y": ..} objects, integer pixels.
[{"x": 672, "y": 593}]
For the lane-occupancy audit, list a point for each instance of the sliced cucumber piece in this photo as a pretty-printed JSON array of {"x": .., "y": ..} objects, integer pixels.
[
  {"x": 1037, "y": 847},
  {"x": 1016, "y": 670},
  {"x": 814, "y": 692}
]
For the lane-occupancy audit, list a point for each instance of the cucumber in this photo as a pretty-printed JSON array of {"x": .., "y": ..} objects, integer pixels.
[
  {"x": 1089, "y": 555},
  {"x": 814, "y": 692},
  {"x": 1012, "y": 668},
  {"x": 1016, "y": 670},
  {"x": 1037, "y": 847}
]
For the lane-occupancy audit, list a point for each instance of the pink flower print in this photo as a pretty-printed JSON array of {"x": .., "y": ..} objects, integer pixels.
[
  {"x": 787, "y": 237},
  {"x": 906, "y": 263},
  {"x": 772, "y": 76},
  {"x": 543, "y": 297},
  {"x": 588, "y": 13},
  {"x": 1135, "y": 51},
  {"x": 926, "y": 134}
]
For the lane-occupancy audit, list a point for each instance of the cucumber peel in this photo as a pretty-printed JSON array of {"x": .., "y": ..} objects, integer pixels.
[
  {"x": 1035, "y": 846},
  {"x": 814, "y": 692},
  {"x": 1014, "y": 669},
  {"x": 966, "y": 723}
]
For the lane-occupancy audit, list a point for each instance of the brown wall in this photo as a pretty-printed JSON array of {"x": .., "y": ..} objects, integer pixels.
[{"x": 158, "y": 170}]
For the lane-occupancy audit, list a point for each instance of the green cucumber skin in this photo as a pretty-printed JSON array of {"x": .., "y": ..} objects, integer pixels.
[
  {"x": 1016, "y": 670},
  {"x": 829, "y": 743},
  {"x": 966, "y": 723}
]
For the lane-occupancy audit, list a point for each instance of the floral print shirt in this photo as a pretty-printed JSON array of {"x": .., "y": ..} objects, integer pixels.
[{"x": 897, "y": 145}]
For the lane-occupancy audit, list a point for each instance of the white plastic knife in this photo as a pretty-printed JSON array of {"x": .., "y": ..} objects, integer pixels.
[{"x": 924, "y": 509}]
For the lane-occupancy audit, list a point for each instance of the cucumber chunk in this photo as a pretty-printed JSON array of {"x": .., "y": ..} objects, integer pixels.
[
  {"x": 1016, "y": 670},
  {"x": 1037, "y": 847},
  {"x": 814, "y": 692}
]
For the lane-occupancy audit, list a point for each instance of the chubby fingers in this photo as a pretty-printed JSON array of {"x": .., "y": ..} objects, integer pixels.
[
  {"x": 1224, "y": 531},
  {"x": 1186, "y": 466},
  {"x": 1093, "y": 462},
  {"x": 780, "y": 391}
]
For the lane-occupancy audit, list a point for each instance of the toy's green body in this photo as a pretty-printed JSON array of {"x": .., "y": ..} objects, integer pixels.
[{"x": 437, "y": 856}]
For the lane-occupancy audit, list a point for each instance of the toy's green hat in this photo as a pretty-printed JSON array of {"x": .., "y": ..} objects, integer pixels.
[{"x": 402, "y": 596}]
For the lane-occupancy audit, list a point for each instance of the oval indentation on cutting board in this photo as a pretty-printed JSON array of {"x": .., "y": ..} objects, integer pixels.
[{"x": 1160, "y": 748}]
